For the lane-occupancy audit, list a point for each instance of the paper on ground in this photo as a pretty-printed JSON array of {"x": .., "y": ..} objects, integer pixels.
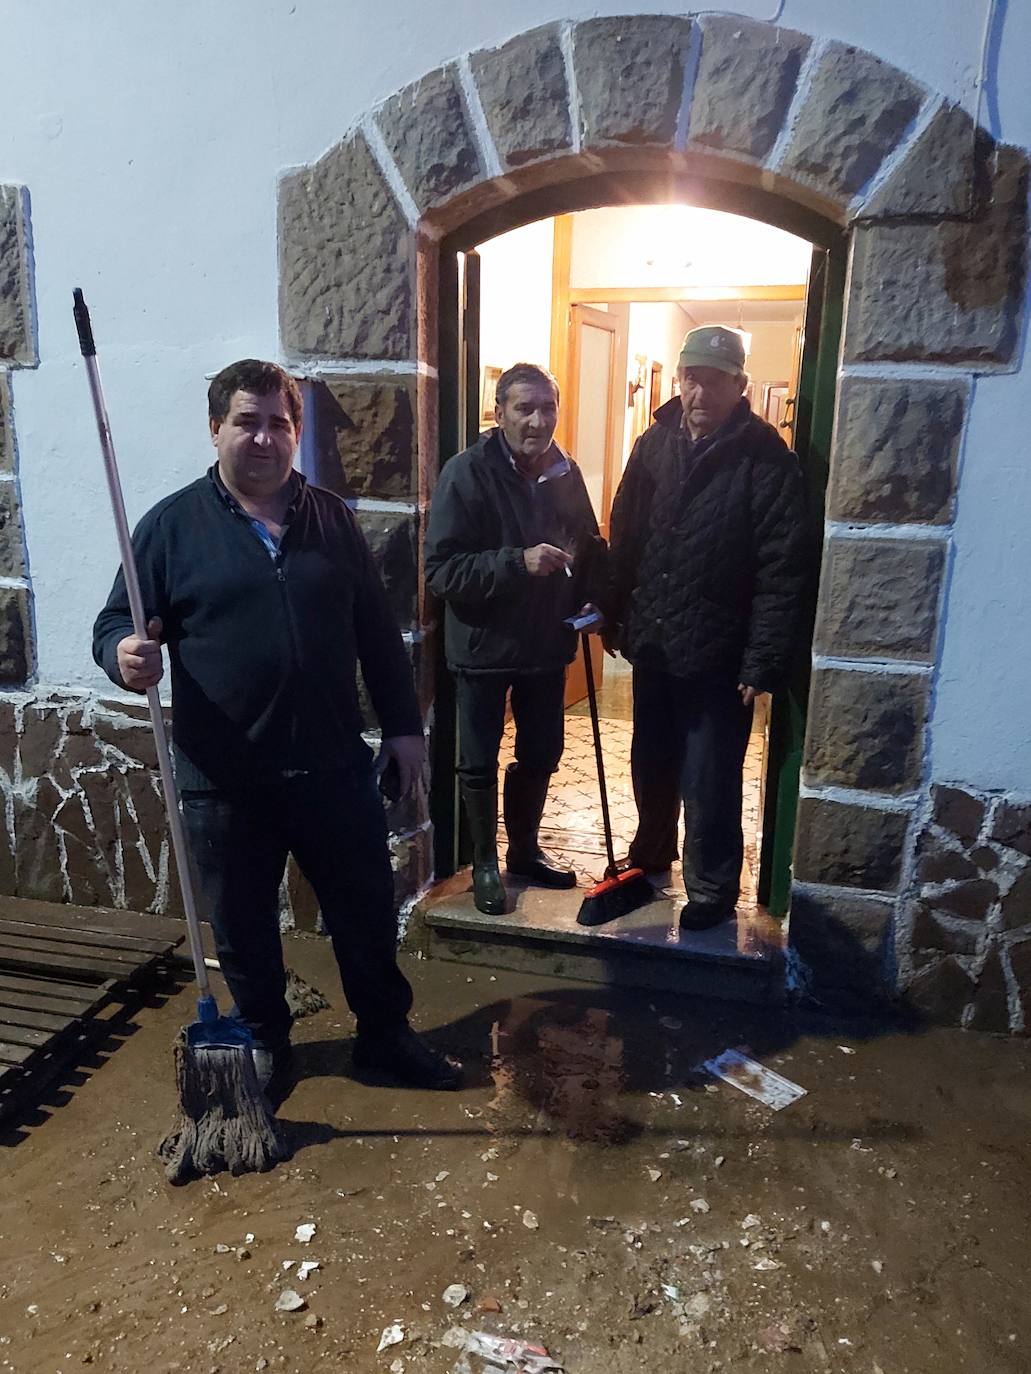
[{"x": 754, "y": 1079}]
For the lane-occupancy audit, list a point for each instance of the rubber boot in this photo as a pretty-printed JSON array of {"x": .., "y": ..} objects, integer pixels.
[
  {"x": 481, "y": 807},
  {"x": 525, "y": 795}
]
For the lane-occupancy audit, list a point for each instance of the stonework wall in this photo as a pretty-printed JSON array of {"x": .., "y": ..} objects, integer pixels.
[{"x": 936, "y": 216}]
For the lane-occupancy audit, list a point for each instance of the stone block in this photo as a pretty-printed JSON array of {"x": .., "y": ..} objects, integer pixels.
[
  {"x": 133, "y": 740},
  {"x": 1016, "y": 905},
  {"x": 746, "y": 79},
  {"x": 12, "y": 541},
  {"x": 17, "y": 344},
  {"x": 866, "y": 730},
  {"x": 855, "y": 113},
  {"x": 959, "y": 812},
  {"x": 991, "y": 1000},
  {"x": 393, "y": 542},
  {"x": 8, "y": 739},
  {"x": 1012, "y": 826},
  {"x": 427, "y": 130},
  {"x": 849, "y": 846},
  {"x": 844, "y": 945},
  {"x": 951, "y": 292},
  {"x": 936, "y": 864},
  {"x": 16, "y": 650},
  {"x": 985, "y": 858},
  {"x": 941, "y": 992},
  {"x": 40, "y": 736},
  {"x": 943, "y": 173},
  {"x": 950, "y": 937},
  {"x": 346, "y": 260},
  {"x": 8, "y": 453},
  {"x": 630, "y": 78},
  {"x": 37, "y": 854},
  {"x": 896, "y": 448},
  {"x": 879, "y": 599},
  {"x": 971, "y": 899},
  {"x": 525, "y": 98},
  {"x": 365, "y": 437}
]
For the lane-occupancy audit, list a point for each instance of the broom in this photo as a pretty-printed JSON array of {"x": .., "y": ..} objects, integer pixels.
[
  {"x": 225, "y": 1121},
  {"x": 621, "y": 890}
]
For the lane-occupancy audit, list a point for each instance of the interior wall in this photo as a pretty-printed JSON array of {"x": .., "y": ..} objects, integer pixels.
[
  {"x": 655, "y": 331},
  {"x": 770, "y": 356},
  {"x": 515, "y": 296}
]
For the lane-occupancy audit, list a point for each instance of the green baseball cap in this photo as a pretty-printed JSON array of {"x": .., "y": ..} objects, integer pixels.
[{"x": 714, "y": 346}]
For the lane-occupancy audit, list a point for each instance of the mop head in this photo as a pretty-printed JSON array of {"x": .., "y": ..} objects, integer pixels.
[
  {"x": 615, "y": 896},
  {"x": 225, "y": 1121}
]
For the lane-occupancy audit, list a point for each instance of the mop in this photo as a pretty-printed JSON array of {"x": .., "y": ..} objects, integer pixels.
[
  {"x": 225, "y": 1121},
  {"x": 621, "y": 890}
]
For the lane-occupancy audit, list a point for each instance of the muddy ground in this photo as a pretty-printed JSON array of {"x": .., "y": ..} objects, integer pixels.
[{"x": 878, "y": 1224}]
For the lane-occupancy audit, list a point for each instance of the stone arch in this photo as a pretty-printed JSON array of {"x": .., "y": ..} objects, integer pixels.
[{"x": 935, "y": 214}]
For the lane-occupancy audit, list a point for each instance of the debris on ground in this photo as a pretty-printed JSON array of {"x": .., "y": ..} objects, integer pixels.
[
  {"x": 305, "y": 1232},
  {"x": 392, "y": 1335},
  {"x": 290, "y": 1301},
  {"x": 484, "y": 1353},
  {"x": 455, "y": 1294},
  {"x": 754, "y": 1078}
]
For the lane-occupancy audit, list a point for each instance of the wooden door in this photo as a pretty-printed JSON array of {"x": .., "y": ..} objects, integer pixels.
[{"x": 594, "y": 413}]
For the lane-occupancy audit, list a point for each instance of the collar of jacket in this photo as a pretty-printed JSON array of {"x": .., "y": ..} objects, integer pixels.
[
  {"x": 495, "y": 449},
  {"x": 297, "y": 480},
  {"x": 671, "y": 414}
]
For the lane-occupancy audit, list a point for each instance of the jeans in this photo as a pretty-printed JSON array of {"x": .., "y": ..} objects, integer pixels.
[
  {"x": 537, "y": 709},
  {"x": 333, "y": 825},
  {"x": 689, "y": 746}
]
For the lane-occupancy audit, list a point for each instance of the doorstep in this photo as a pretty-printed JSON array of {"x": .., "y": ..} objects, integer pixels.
[{"x": 741, "y": 960}]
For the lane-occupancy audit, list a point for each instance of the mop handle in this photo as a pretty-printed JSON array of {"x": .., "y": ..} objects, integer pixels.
[
  {"x": 139, "y": 624},
  {"x": 592, "y": 698}
]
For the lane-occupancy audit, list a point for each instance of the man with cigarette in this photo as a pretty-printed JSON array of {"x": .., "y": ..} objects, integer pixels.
[{"x": 512, "y": 549}]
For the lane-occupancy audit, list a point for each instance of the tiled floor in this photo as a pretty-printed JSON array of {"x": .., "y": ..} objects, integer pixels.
[{"x": 572, "y": 831}]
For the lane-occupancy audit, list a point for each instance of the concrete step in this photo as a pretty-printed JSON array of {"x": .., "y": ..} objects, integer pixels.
[{"x": 741, "y": 960}]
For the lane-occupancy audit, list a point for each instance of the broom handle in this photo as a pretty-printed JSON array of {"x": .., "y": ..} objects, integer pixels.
[
  {"x": 139, "y": 624},
  {"x": 592, "y": 698}
]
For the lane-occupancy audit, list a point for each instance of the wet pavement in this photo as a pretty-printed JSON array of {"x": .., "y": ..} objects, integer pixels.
[{"x": 588, "y": 1190}]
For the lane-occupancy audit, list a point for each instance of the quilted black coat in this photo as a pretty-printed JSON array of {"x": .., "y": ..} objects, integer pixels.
[{"x": 708, "y": 551}]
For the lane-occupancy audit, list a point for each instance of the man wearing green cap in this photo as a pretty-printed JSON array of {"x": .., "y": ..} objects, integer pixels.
[{"x": 707, "y": 566}]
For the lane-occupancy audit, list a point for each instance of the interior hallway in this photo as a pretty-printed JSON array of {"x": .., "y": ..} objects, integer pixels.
[{"x": 572, "y": 830}]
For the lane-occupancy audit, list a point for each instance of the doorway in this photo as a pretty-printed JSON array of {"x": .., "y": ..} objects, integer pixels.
[{"x": 605, "y": 297}]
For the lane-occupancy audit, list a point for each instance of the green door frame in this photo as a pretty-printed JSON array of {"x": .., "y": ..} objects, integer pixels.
[{"x": 814, "y": 419}]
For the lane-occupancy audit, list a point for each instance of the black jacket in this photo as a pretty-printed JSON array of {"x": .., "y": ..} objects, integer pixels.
[
  {"x": 707, "y": 551},
  {"x": 483, "y": 515},
  {"x": 264, "y": 653}
]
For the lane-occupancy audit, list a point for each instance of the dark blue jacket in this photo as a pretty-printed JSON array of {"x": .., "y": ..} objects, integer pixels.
[{"x": 264, "y": 654}]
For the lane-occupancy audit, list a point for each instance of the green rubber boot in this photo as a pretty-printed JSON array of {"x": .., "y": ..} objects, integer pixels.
[{"x": 481, "y": 807}]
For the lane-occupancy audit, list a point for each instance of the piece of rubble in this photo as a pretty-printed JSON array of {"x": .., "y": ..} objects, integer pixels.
[
  {"x": 530, "y": 1221},
  {"x": 750, "y": 1222},
  {"x": 313, "y": 1321},
  {"x": 306, "y": 1267},
  {"x": 290, "y": 1301},
  {"x": 654, "y": 1175},
  {"x": 699, "y": 1204},
  {"x": 455, "y": 1294},
  {"x": 221, "y": 1249},
  {"x": 305, "y": 1232},
  {"x": 392, "y": 1335}
]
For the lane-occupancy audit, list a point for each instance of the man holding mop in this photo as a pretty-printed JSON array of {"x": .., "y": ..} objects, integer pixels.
[{"x": 264, "y": 592}]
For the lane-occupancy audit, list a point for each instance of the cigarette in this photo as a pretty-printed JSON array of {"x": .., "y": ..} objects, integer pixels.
[{"x": 568, "y": 570}]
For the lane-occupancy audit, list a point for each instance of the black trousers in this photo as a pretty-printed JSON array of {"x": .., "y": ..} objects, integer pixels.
[
  {"x": 537, "y": 709},
  {"x": 334, "y": 826},
  {"x": 689, "y": 748}
]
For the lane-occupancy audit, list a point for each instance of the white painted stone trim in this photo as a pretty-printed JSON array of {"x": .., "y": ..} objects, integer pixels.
[
  {"x": 907, "y": 372},
  {"x": 803, "y": 86},
  {"x": 834, "y": 891},
  {"x": 933, "y": 103},
  {"x": 572, "y": 89},
  {"x": 478, "y": 119},
  {"x": 317, "y": 368},
  {"x": 874, "y": 666},
  {"x": 373, "y": 503},
  {"x": 692, "y": 61},
  {"x": 391, "y": 174},
  {"x": 852, "y": 529},
  {"x": 854, "y": 796}
]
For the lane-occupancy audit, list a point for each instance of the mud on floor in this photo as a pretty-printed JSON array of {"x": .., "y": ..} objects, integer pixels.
[{"x": 587, "y": 1190}]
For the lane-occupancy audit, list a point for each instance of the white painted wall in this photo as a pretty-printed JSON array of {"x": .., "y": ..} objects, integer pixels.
[
  {"x": 151, "y": 139},
  {"x": 515, "y": 296}
]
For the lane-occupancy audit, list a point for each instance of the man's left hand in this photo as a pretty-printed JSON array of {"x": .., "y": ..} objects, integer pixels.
[
  {"x": 748, "y": 694},
  {"x": 409, "y": 752}
]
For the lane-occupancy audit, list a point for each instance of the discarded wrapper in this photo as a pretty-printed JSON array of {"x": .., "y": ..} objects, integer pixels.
[
  {"x": 754, "y": 1078},
  {"x": 503, "y": 1355}
]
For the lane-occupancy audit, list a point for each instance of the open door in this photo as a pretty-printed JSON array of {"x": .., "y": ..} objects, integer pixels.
[
  {"x": 595, "y": 391},
  {"x": 811, "y": 418}
]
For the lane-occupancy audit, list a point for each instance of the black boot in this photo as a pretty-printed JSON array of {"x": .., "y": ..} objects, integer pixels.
[
  {"x": 525, "y": 795},
  {"x": 481, "y": 807}
]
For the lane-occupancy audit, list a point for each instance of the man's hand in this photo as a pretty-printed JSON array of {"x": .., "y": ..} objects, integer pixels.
[
  {"x": 589, "y": 608},
  {"x": 748, "y": 694},
  {"x": 544, "y": 559},
  {"x": 409, "y": 751},
  {"x": 609, "y": 636},
  {"x": 139, "y": 660}
]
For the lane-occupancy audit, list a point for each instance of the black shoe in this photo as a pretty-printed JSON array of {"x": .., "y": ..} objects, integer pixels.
[
  {"x": 401, "y": 1055},
  {"x": 489, "y": 894},
  {"x": 536, "y": 868},
  {"x": 705, "y": 915},
  {"x": 272, "y": 1065}
]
